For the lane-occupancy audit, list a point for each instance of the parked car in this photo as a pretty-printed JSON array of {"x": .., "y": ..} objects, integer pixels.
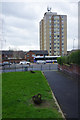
[
  {"x": 6, "y": 63},
  {"x": 24, "y": 62},
  {"x": 0, "y": 64},
  {"x": 41, "y": 62}
]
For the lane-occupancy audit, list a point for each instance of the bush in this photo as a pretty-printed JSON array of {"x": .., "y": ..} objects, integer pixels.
[
  {"x": 74, "y": 57},
  {"x": 59, "y": 60}
]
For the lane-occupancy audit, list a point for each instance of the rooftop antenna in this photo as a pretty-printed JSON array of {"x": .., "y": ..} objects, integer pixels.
[{"x": 49, "y": 9}]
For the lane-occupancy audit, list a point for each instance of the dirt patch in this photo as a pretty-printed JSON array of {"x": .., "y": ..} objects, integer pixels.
[{"x": 45, "y": 104}]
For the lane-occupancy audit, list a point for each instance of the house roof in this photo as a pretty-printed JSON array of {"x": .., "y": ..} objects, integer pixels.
[{"x": 39, "y": 52}]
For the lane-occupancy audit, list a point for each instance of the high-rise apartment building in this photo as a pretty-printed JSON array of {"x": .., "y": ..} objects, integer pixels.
[{"x": 53, "y": 33}]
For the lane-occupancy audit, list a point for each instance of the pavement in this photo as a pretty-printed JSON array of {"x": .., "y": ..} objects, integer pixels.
[{"x": 65, "y": 90}]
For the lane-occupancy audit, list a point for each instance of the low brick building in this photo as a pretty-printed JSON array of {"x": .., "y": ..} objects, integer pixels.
[
  {"x": 12, "y": 56},
  {"x": 32, "y": 53}
]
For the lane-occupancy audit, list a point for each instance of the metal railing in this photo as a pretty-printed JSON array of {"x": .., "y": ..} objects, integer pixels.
[{"x": 40, "y": 67}]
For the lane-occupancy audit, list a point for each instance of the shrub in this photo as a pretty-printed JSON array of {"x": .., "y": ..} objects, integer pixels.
[
  {"x": 59, "y": 60},
  {"x": 74, "y": 57}
]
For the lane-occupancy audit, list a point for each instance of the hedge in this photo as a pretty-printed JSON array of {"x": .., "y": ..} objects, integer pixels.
[{"x": 74, "y": 58}]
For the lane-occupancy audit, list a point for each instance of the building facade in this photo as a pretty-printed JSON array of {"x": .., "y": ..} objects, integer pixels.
[
  {"x": 30, "y": 55},
  {"x": 53, "y": 33}
]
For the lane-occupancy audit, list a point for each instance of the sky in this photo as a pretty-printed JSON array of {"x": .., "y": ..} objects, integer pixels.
[{"x": 19, "y": 23}]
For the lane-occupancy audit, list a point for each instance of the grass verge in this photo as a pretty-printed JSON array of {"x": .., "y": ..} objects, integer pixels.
[{"x": 17, "y": 91}]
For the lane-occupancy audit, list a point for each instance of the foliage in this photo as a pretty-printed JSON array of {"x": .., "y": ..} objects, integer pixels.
[
  {"x": 74, "y": 58},
  {"x": 59, "y": 60}
]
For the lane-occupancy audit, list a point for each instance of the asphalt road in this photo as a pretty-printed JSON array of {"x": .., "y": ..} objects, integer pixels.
[{"x": 65, "y": 90}]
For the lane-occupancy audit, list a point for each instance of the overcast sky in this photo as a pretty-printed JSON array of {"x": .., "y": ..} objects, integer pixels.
[{"x": 20, "y": 22}]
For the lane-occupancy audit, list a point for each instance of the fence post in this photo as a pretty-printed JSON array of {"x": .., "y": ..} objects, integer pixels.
[
  {"x": 49, "y": 66},
  {"x": 22, "y": 67},
  {"x": 32, "y": 67},
  {"x": 4, "y": 69},
  {"x": 15, "y": 68},
  {"x": 41, "y": 67}
]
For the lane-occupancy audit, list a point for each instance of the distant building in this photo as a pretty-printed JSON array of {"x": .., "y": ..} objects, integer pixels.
[
  {"x": 12, "y": 56},
  {"x": 53, "y": 33},
  {"x": 32, "y": 53}
]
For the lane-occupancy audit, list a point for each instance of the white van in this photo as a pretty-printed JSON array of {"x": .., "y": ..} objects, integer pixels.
[{"x": 24, "y": 62}]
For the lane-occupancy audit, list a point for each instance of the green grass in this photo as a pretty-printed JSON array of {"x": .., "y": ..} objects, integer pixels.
[{"x": 17, "y": 91}]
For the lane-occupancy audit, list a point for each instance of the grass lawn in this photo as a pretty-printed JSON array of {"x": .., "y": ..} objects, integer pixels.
[{"x": 17, "y": 91}]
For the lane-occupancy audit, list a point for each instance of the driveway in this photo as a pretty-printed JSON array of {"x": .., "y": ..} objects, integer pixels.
[{"x": 65, "y": 90}]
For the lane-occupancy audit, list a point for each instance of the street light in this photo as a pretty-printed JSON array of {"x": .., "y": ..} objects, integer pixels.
[{"x": 73, "y": 43}]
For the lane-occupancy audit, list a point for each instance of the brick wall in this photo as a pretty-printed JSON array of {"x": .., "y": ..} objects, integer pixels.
[{"x": 71, "y": 69}]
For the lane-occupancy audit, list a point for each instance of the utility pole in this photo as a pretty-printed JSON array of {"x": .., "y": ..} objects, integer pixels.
[{"x": 73, "y": 43}]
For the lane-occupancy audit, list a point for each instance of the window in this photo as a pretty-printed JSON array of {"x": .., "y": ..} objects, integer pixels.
[
  {"x": 54, "y": 24},
  {"x": 27, "y": 55},
  {"x": 50, "y": 25},
  {"x": 62, "y": 25},
  {"x": 62, "y": 41},
  {"x": 50, "y": 47},
  {"x": 49, "y": 29},
  {"x": 54, "y": 16},
  {"x": 57, "y": 17},
  {"x": 62, "y": 48},
  {"x": 62, "y": 30},
  {"x": 58, "y": 32},
  {"x": 50, "y": 32},
  {"x": 57, "y": 35},
  {"x": 50, "y": 51},
  {"x": 49, "y": 21},
  {"x": 49, "y": 17},
  {"x": 33, "y": 55}
]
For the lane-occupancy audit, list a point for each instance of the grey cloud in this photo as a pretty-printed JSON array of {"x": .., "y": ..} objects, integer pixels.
[
  {"x": 21, "y": 21},
  {"x": 21, "y": 10}
]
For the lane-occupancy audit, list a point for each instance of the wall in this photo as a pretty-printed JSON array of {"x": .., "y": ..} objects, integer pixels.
[{"x": 71, "y": 69}]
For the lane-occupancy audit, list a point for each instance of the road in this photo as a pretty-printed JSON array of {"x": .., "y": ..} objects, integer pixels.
[{"x": 65, "y": 90}]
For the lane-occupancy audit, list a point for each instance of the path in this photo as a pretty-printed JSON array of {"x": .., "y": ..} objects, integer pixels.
[{"x": 66, "y": 92}]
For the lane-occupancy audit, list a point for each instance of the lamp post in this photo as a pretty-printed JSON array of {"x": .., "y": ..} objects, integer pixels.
[{"x": 73, "y": 43}]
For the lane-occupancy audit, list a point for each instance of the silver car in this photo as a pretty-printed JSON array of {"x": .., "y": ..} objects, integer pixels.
[{"x": 41, "y": 62}]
